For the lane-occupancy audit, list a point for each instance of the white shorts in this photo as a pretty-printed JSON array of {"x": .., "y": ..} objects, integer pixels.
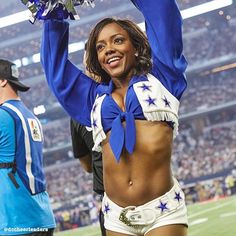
[{"x": 167, "y": 209}]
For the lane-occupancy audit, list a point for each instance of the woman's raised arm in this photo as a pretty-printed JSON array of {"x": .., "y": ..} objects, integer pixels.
[
  {"x": 74, "y": 90},
  {"x": 164, "y": 31}
]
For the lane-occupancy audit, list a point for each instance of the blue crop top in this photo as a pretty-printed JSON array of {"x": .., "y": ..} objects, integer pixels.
[
  {"x": 153, "y": 97},
  {"x": 131, "y": 105},
  {"x": 146, "y": 98}
]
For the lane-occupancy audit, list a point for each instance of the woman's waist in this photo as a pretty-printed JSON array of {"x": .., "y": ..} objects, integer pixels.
[
  {"x": 170, "y": 200},
  {"x": 137, "y": 187}
]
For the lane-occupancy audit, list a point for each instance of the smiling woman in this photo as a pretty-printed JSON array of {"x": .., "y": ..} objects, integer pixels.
[
  {"x": 116, "y": 54},
  {"x": 133, "y": 112},
  {"x": 126, "y": 36}
]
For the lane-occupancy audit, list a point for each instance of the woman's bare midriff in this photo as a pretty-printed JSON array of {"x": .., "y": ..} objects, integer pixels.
[{"x": 146, "y": 173}]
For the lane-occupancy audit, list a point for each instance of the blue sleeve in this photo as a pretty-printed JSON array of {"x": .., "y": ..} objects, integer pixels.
[
  {"x": 164, "y": 31},
  {"x": 74, "y": 90},
  {"x": 7, "y": 137}
]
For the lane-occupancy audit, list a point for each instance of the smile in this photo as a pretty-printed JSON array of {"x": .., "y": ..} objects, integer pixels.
[{"x": 113, "y": 59}]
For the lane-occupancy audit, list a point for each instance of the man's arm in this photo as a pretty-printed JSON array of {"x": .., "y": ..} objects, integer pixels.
[
  {"x": 82, "y": 144},
  {"x": 86, "y": 163}
]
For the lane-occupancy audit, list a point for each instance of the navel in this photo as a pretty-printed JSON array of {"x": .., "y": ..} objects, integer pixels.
[{"x": 130, "y": 183}]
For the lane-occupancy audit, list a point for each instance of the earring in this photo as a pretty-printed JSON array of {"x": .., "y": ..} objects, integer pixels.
[{"x": 136, "y": 54}]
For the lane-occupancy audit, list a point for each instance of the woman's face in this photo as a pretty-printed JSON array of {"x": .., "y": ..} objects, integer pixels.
[{"x": 116, "y": 53}]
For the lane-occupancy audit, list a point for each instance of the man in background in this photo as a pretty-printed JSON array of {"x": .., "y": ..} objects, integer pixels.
[
  {"x": 24, "y": 203},
  {"x": 82, "y": 143}
]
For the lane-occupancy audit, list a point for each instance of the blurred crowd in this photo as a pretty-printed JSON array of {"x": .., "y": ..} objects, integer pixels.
[
  {"x": 22, "y": 42},
  {"x": 212, "y": 189},
  {"x": 212, "y": 152},
  {"x": 57, "y": 133},
  {"x": 208, "y": 91}
]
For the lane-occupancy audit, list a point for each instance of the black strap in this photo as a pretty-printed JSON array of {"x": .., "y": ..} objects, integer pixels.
[
  {"x": 11, "y": 174},
  {"x": 12, "y": 165},
  {"x": 7, "y": 165},
  {"x": 13, "y": 179}
]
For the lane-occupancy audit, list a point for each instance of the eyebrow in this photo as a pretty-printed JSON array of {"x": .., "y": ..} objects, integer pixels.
[{"x": 112, "y": 37}]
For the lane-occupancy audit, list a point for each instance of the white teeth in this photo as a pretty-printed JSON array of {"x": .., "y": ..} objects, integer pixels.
[{"x": 113, "y": 59}]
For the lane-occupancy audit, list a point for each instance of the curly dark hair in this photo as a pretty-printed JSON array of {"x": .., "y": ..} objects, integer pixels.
[{"x": 138, "y": 39}]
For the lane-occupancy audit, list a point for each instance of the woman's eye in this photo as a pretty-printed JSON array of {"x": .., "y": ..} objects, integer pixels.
[
  {"x": 99, "y": 47},
  {"x": 119, "y": 40}
]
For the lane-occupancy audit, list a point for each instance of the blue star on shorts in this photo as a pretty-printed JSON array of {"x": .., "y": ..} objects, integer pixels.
[
  {"x": 178, "y": 197},
  {"x": 163, "y": 206},
  {"x": 107, "y": 208}
]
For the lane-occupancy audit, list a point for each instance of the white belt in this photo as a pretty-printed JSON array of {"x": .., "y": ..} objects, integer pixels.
[{"x": 140, "y": 216}]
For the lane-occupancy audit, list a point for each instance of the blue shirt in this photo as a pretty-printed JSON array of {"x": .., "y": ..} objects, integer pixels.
[{"x": 19, "y": 209}]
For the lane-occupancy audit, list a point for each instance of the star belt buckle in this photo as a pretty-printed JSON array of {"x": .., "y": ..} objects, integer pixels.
[{"x": 134, "y": 217}]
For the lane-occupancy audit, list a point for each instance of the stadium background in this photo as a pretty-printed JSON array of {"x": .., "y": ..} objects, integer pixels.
[{"x": 204, "y": 157}]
